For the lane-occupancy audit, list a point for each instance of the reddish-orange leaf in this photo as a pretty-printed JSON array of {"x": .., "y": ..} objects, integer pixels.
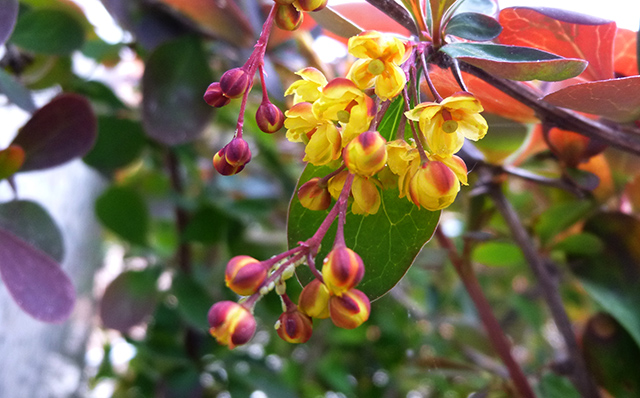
[
  {"x": 599, "y": 166},
  {"x": 492, "y": 99},
  {"x": 615, "y": 99},
  {"x": 564, "y": 33},
  {"x": 625, "y": 61},
  {"x": 11, "y": 160}
]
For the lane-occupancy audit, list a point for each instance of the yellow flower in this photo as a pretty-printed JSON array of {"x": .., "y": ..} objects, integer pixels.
[
  {"x": 323, "y": 139},
  {"x": 309, "y": 88},
  {"x": 379, "y": 64},
  {"x": 403, "y": 160},
  {"x": 366, "y": 197},
  {"x": 445, "y": 125}
]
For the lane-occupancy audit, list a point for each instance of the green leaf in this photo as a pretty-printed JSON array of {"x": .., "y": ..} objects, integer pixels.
[
  {"x": 559, "y": 217},
  {"x": 516, "y": 63},
  {"x": 505, "y": 138},
  {"x": 123, "y": 211},
  {"x": 16, "y": 92},
  {"x": 473, "y": 26},
  {"x": 387, "y": 241},
  {"x": 554, "y": 386},
  {"x": 208, "y": 225},
  {"x": 584, "y": 244},
  {"x": 119, "y": 142},
  {"x": 64, "y": 33},
  {"x": 498, "y": 254},
  {"x": 392, "y": 118},
  {"x": 193, "y": 300}
]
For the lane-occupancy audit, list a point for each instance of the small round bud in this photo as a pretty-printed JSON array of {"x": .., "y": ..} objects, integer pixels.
[
  {"x": 294, "y": 327},
  {"x": 231, "y": 324},
  {"x": 288, "y": 17},
  {"x": 366, "y": 154},
  {"x": 434, "y": 186},
  {"x": 313, "y": 196},
  {"x": 214, "y": 96},
  {"x": 235, "y": 82},
  {"x": 350, "y": 310},
  {"x": 342, "y": 270},
  {"x": 244, "y": 275},
  {"x": 314, "y": 300},
  {"x": 269, "y": 118},
  {"x": 232, "y": 158},
  {"x": 312, "y": 5}
]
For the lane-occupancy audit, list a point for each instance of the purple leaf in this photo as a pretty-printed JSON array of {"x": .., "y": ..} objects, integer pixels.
[
  {"x": 35, "y": 280},
  {"x": 8, "y": 17},
  {"x": 63, "y": 129},
  {"x": 129, "y": 299}
]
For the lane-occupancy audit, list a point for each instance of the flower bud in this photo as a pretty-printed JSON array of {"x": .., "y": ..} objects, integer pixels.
[
  {"x": 235, "y": 82},
  {"x": 231, "y": 324},
  {"x": 366, "y": 198},
  {"x": 245, "y": 275},
  {"x": 336, "y": 183},
  {"x": 11, "y": 159},
  {"x": 214, "y": 96},
  {"x": 313, "y": 196},
  {"x": 294, "y": 327},
  {"x": 350, "y": 310},
  {"x": 342, "y": 270},
  {"x": 312, "y": 5},
  {"x": 269, "y": 117},
  {"x": 366, "y": 154},
  {"x": 232, "y": 158},
  {"x": 288, "y": 17},
  {"x": 434, "y": 186},
  {"x": 314, "y": 300}
]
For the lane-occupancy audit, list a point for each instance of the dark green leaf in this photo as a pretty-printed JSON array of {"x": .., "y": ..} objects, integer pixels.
[
  {"x": 124, "y": 212},
  {"x": 16, "y": 92},
  {"x": 8, "y": 16},
  {"x": 473, "y": 26},
  {"x": 64, "y": 33},
  {"x": 33, "y": 224},
  {"x": 516, "y": 63},
  {"x": 559, "y": 217},
  {"x": 582, "y": 244},
  {"x": 99, "y": 93},
  {"x": 554, "y": 386},
  {"x": 193, "y": 300},
  {"x": 392, "y": 118},
  {"x": 175, "y": 78},
  {"x": 208, "y": 225},
  {"x": 120, "y": 141},
  {"x": 387, "y": 241},
  {"x": 498, "y": 254}
]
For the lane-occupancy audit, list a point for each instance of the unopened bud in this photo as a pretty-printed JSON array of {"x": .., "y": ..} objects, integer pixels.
[
  {"x": 313, "y": 196},
  {"x": 314, "y": 300},
  {"x": 288, "y": 17},
  {"x": 350, "y": 310},
  {"x": 233, "y": 157},
  {"x": 244, "y": 275},
  {"x": 231, "y": 323},
  {"x": 294, "y": 327},
  {"x": 366, "y": 154},
  {"x": 312, "y": 5},
  {"x": 434, "y": 186},
  {"x": 215, "y": 97},
  {"x": 342, "y": 269},
  {"x": 269, "y": 118},
  {"x": 235, "y": 82}
]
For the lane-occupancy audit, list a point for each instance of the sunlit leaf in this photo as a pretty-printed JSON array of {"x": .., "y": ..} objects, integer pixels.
[
  {"x": 505, "y": 137},
  {"x": 473, "y": 26},
  {"x": 120, "y": 141},
  {"x": 64, "y": 33},
  {"x": 392, "y": 118},
  {"x": 498, "y": 254},
  {"x": 574, "y": 36},
  {"x": 175, "y": 78},
  {"x": 615, "y": 99},
  {"x": 123, "y": 211},
  {"x": 8, "y": 17},
  {"x": 35, "y": 280},
  {"x": 129, "y": 299},
  {"x": 584, "y": 244},
  {"x": 625, "y": 59},
  {"x": 11, "y": 159},
  {"x": 516, "y": 63},
  {"x": 16, "y": 92},
  {"x": 559, "y": 217},
  {"x": 63, "y": 129},
  {"x": 47, "y": 71}
]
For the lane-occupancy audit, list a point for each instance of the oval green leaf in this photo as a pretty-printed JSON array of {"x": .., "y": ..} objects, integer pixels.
[
  {"x": 516, "y": 63},
  {"x": 498, "y": 254},
  {"x": 120, "y": 141},
  {"x": 124, "y": 212},
  {"x": 47, "y": 31},
  {"x": 387, "y": 241},
  {"x": 473, "y": 26}
]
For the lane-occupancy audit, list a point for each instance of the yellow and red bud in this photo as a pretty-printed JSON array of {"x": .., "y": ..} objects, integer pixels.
[
  {"x": 232, "y": 158},
  {"x": 269, "y": 117},
  {"x": 336, "y": 183},
  {"x": 231, "y": 323},
  {"x": 366, "y": 154},
  {"x": 434, "y": 186},
  {"x": 342, "y": 269},
  {"x": 214, "y": 96},
  {"x": 294, "y": 327},
  {"x": 314, "y": 300},
  {"x": 312, "y": 5},
  {"x": 235, "y": 82},
  {"x": 349, "y": 310},
  {"x": 366, "y": 198},
  {"x": 288, "y": 17},
  {"x": 314, "y": 196},
  {"x": 11, "y": 159},
  {"x": 245, "y": 275}
]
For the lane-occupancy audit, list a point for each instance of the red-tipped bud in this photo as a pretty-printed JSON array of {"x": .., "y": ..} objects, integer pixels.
[
  {"x": 233, "y": 157},
  {"x": 350, "y": 310},
  {"x": 269, "y": 117},
  {"x": 235, "y": 82},
  {"x": 342, "y": 270},
  {"x": 366, "y": 154},
  {"x": 434, "y": 186},
  {"x": 231, "y": 324},
  {"x": 288, "y": 17},
  {"x": 11, "y": 159},
  {"x": 314, "y": 196},
  {"x": 312, "y": 5},
  {"x": 294, "y": 327},
  {"x": 245, "y": 275},
  {"x": 314, "y": 300},
  {"x": 215, "y": 97}
]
